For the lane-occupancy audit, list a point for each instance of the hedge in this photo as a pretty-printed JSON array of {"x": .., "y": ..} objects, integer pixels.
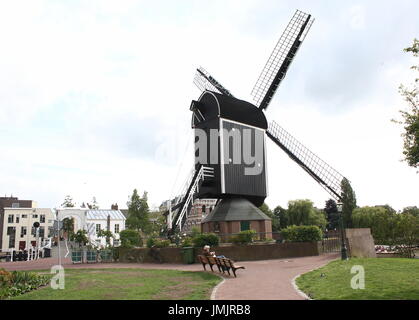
[
  {"x": 203, "y": 239},
  {"x": 302, "y": 234}
]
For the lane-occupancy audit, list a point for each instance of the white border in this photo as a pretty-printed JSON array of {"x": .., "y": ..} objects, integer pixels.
[{"x": 301, "y": 293}]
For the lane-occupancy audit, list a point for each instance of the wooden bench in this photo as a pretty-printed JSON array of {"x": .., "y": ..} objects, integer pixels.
[
  {"x": 227, "y": 264},
  {"x": 223, "y": 264},
  {"x": 208, "y": 260}
]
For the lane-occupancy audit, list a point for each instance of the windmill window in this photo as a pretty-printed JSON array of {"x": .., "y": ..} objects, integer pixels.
[{"x": 244, "y": 225}]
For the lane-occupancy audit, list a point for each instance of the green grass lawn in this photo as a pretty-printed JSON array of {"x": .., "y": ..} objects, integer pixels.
[
  {"x": 385, "y": 278},
  {"x": 128, "y": 284}
]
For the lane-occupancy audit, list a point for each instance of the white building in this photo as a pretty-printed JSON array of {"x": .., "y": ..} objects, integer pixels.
[
  {"x": 18, "y": 230},
  {"x": 94, "y": 220},
  {"x": 112, "y": 220}
]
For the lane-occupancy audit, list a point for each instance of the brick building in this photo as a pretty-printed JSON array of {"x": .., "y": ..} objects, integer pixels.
[
  {"x": 233, "y": 215},
  {"x": 200, "y": 209}
]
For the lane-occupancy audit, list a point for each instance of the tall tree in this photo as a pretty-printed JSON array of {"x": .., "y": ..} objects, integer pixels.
[
  {"x": 275, "y": 219},
  {"x": 411, "y": 116},
  {"x": 282, "y": 216},
  {"x": 138, "y": 212},
  {"x": 303, "y": 213},
  {"x": 68, "y": 227},
  {"x": 68, "y": 202},
  {"x": 348, "y": 202},
  {"x": 332, "y": 214},
  {"x": 414, "y": 211},
  {"x": 94, "y": 205}
]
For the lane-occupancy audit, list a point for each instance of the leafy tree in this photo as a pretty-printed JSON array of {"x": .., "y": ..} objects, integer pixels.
[
  {"x": 130, "y": 238},
  {"x": 414, "y": 211},
  {"x": 302, "y": 212},
  {"x": 94, "y": 205},
  {"x": 68, "y": 202},
  {"x": 282, "y": 218},
  {"x": 407, "y": 234},
  {"x": 68, "y": 226},
  {"x": 332, "y": 214},
  {"x": 348, "y": 203},
  {"x": 275, "y": 219},
  {"x": 80, "y": 237},
  {"x": 380, "y": 219},
  {"x": 106, "y": 233},
  {"x": 138, "y": 213},
  {"x": 411, "y": 116}
]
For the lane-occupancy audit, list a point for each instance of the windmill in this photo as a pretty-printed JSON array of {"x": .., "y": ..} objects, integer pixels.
[{"x": 218, "y": 117}]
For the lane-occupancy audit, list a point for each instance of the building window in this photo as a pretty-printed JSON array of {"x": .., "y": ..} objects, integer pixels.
[
  {"x": 15, "y": 205},
  {"x": 117, "y": 228},
  {"x": 11, "y": 218},
  {"x": 116, "y": 243},
  {"x": 42, "y": 218},
  {"x": 11, "y": 232},
  {"x": 22, "y": 232},
  {"x": 244, "y": 225},
  {"x": 97, "y": 228},
  {"x": 50, "y": 232},
  {"x": 24, "y": 216},
  {"x": 17, "y": 218},
  {"x": 35, "y": 216},
  {"x": 41, "y": 232},
  {"x": 33, "y": 231}
]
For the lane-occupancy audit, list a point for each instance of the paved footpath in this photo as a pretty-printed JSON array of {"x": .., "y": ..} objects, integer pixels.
[{"x": 261, "y": 280}]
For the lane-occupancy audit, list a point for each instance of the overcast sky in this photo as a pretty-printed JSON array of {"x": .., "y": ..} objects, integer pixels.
[{"x": 94, "y": 95}]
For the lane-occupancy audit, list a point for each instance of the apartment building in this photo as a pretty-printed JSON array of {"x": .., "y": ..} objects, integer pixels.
[
  {"x": 18, "y": 232},
  {"x": 11, "y": 202}
]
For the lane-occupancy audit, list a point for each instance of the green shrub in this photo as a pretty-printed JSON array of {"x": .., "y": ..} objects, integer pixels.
[
  {"x": 151, "y": 242},
  {"x": 130, "y": 238},
  {"x": 244, "y": 237},
  {"x": 19, "y": 282},
  {"x": 162, "y": 243},
  {"x": 187, "y": 242},
  {"x": 203, "y": 239},
  {"x": 302, "y": 234},
  {"x": 195, "y": 231}
]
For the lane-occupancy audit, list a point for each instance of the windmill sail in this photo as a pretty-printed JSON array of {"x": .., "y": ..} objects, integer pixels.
[
  {"x": 204, "y": 81},
  {"x": 281, "y": 58},
  {"x": 324, "y": 174}
]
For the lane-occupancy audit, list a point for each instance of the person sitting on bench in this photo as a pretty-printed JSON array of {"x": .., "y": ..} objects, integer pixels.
[{"x": 206, "y": 252}]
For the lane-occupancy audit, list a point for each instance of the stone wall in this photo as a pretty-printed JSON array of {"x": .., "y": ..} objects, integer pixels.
[
  {"x": 235, "y": 252},
  {"x": 360, "y": 243}
]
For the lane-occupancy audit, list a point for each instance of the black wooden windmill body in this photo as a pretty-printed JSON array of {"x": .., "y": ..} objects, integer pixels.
[{"x": 218, "y": 174}]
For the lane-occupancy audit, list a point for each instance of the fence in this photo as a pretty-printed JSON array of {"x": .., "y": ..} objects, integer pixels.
[
  {"x": 331, "y": 241},
  {"x": 91, "y": 256}
]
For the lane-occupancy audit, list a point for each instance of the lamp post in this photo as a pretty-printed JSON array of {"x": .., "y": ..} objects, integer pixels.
[{"x": 344, "y": 251}]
